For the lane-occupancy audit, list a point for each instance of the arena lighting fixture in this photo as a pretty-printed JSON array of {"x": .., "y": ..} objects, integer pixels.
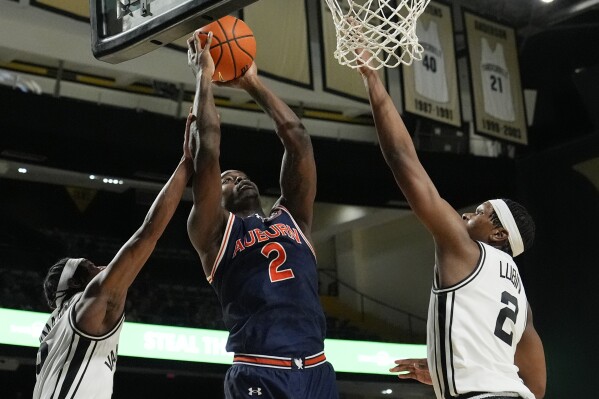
[
  {"x": 387, "y": 391},
  {"x": 22, "y": 170},
  {"x": 109, "y": 180},
  {"x": 547, "y": 1}
]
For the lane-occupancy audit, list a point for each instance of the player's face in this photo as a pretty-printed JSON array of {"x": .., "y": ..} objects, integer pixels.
[
  {"x": 236, "y": 186},
  {"x": 91, "y": 269},
  {"x": 478, "y": 223}
]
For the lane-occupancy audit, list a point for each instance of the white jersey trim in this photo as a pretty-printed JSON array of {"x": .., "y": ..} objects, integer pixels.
[
  {"x": 468, "y": 279},
  {"x": 281, "y": 207},
  {"x": 77, "y": 331},
  {"x": 223, "y": 247}
]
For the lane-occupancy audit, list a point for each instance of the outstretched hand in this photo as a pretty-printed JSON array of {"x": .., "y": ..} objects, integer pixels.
[
  {"x": 363, "y": 54},
  {"x": 198, "y": 58},
  {"x": 416, "y": 369},
  {"x": 243, "y": 81}
]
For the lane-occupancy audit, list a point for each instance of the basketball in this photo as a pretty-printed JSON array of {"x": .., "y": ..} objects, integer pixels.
[{"x": 233, "y": 47}]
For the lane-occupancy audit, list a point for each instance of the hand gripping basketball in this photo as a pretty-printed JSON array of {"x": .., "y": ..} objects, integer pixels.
[
  {"x": 233, "y": 47},
  {"x": 198, "y": 58}
]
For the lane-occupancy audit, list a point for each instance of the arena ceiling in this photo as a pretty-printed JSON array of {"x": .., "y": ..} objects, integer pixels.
[{"x": 558, "y": 58}]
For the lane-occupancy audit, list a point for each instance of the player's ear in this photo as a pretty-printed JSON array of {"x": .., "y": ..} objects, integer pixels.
[{"x": 498, "y": 235}]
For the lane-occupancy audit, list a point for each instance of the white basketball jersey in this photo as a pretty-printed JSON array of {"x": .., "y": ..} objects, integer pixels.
[
  {"x": 474, "y": 328},
  {"x": 497, "y": 89},
  {"x": 429, "y": 73},
  {"x": 72, "y": 364}
]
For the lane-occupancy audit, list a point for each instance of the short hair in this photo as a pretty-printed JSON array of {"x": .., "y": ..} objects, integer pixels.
[
  {"x": 524, "y": 221},
  {"x": 53, "y": 278}
]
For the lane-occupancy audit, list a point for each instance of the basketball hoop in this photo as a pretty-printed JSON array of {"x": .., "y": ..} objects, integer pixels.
[{"x": 386, "y": 29}]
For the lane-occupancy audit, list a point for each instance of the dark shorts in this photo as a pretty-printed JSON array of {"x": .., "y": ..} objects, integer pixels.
[{"x": 247, "y": 381}]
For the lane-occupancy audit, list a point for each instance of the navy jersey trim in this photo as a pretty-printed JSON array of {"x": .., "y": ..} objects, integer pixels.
[{"x": 469, "y": 278}]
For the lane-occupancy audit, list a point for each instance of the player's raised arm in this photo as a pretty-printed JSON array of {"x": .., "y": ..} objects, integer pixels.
[
  {"x": 451, "y": 237},
  {"x": 400, "y": 154},
  {"x": 298, "y": 169},
  {"x": 103, "y": 301},
  {"x": 207, "y": 218}
]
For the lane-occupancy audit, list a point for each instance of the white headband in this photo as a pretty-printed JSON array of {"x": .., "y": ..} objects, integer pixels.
[
  {"x": 63, "y": 284},
  {"x": 507, "y": 221}
]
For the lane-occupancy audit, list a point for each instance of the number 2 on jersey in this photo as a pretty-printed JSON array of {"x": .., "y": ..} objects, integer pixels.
[
  {"x": 506, "y": 313},
  {"x": 280, "y": 258}
]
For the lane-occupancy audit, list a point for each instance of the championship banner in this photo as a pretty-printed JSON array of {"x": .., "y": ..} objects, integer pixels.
[
  {"x": 430, "y": 86},
  {"x": 495, "y": 76},
  {"x": 338, "y": 79},
  {"x": 288, "y": 57},
  {"x": 73, "y": 8}
]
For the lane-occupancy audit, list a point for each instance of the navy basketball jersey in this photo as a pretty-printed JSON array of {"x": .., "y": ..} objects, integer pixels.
[{"x": 266, "y": 279}]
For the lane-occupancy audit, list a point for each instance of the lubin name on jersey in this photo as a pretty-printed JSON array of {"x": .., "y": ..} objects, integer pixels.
[{"x": 509, "y": 272}]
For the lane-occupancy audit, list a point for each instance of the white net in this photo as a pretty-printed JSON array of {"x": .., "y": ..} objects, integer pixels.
[{"x": 384, "y": 29}]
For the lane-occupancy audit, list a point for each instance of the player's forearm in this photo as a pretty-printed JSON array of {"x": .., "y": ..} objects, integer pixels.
[
  {"x": 395, "y": 141},
  {"x": 287, "y": 123},
  {"x": 207, "y": 133},
  {"x": 166, "y": 201}
]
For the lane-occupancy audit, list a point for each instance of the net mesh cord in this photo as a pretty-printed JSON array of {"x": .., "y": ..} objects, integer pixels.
[{"x": 382, "y": 30}]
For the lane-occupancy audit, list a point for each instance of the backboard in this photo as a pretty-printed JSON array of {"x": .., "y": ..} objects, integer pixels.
[{"x": 126, "y": 29}]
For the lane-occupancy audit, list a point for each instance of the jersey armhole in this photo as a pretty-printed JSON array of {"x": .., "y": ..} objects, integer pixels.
[
  {"x": 223, "y": 247},
  {"x": 282, "y": 208},
  {"x": 469, "y": 278},
  {"x": 83, "y": 334}
]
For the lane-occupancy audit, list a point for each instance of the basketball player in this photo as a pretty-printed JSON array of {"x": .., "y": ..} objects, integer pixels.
[
  {"x": 262, "y": 266},
  {"x": 481, "y": 340},
  {"x": 79, "y": 343}
]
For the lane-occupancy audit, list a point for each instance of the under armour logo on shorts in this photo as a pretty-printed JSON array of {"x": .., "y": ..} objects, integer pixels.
[
  {"x": 257, "y": 391},
  {"x": 299, "y": 363}
]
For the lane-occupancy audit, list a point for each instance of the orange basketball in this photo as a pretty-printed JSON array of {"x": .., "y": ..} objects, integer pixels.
[{"x": 233, "y": 47}]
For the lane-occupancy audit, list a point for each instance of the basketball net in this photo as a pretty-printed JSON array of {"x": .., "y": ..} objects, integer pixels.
[{"x": 385, "y": 30}]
